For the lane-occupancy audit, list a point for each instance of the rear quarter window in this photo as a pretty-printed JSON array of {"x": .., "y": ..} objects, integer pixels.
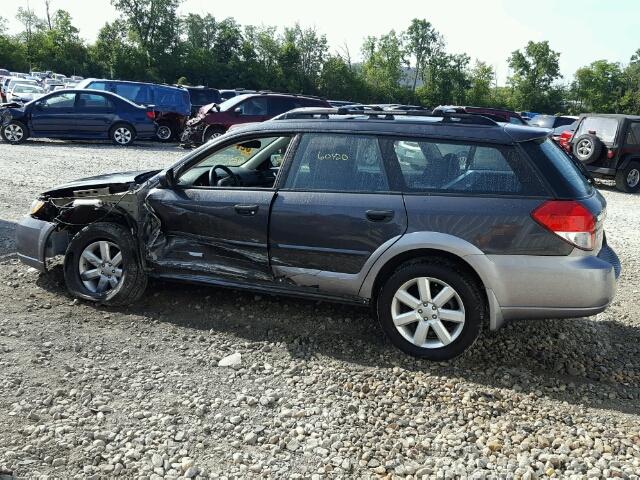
[
  {"x": 564, "y": 175},
  {"x": 433, "y": 166}
]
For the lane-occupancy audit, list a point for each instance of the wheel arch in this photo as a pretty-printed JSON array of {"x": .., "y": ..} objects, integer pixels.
[{"x": 445, "y": 247}]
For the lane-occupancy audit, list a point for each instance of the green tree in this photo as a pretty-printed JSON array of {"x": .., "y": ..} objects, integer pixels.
[
  {"x": 599, "y": 87},
  {"x": 535, "y": 72},
  {"x": 384, "y": 58},
  {"x": 481, "y": 79},
  {"x": 12, "y": 50},
  {"x": 422, "y": 43}
]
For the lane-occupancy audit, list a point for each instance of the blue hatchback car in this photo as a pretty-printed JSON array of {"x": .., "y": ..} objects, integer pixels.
[{"x": 78, "y": 114}]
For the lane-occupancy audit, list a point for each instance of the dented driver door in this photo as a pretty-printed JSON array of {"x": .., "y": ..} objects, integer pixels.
[{"x": 218, "y": 233}]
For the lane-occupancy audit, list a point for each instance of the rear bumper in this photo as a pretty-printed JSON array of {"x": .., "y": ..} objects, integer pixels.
[
  {"x": 145, "y": 131},
  {"x": 533, "y": 287},
  {"x": 37, "y": 240}
]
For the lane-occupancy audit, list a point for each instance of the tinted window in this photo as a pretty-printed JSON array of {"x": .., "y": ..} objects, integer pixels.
[
  {"x": 137, "y": 93},
  {"x": 516, "y": 121},
  {"x": 98, "y": 86},
  {"x": 633, "y": 135},
  {"x": 94, "y": 101},
  {"x": 343, "y": 163},
  {"x": 254, "y": 106},
  {"x": 605, "y": 128},
  {"x": 204, "y": 96},
  {"x": 278, "y": 105},
  {"x": 567, "y": 170},
  {"x": 450, "y": 167},
  {"x": 60, "y": 101}
]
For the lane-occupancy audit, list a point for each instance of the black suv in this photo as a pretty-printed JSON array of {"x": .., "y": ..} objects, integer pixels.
[
  {"x": 440, "y": 223},
  {"x": 609, "y": 147}
]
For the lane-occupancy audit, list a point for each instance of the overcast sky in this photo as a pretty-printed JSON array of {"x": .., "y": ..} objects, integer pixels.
[{"x": 581, "y": 30}]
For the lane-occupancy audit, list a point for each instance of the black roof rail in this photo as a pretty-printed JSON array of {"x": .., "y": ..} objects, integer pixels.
[{"x": 374, "y": 111}]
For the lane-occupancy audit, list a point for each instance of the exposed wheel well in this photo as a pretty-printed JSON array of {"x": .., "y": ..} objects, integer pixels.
[
  {"x": 426, "y": 253},
  {"x": 80, "y": 218}
]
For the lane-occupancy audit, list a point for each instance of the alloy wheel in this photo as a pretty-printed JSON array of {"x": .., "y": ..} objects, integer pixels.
[
  {"x": 633, "y": 178},
  {"x": 164, "y": 132},
  {"x": 122, "y": 135},
  {"x": 584, "y": 147},
  {"x": 13, "y": 132},
  {"x": 100, "y": 266},
  {"x": 428, "y": 312}
]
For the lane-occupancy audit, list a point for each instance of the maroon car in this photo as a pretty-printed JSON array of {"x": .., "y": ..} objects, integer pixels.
[
  {"x": 213, "y": 120},
  {"x": 496, "y": 114}
]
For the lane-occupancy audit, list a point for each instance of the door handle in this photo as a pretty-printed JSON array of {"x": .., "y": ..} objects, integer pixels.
[
  {"x": 246, "y": 209},
  {"x": 380, "y": 215}
]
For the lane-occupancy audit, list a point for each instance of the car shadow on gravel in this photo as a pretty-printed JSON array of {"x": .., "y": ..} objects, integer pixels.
[
  {"x": 590, "y": 362},
  {"x": 148, "y": 146},
  {"x": 7, "y": 238}
]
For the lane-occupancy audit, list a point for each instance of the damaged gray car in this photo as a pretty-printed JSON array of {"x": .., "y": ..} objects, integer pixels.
[{"x": 442, "y": 224}]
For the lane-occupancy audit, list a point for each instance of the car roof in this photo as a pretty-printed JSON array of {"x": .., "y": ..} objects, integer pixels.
[
  {"x": 165, "y": 85},
  {"x": 407, "y": 126},
  {"x": 617, "y": 116}
]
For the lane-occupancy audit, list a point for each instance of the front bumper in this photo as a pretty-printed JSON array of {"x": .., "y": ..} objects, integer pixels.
[
  {"x": 192, "y": 135},
  {"x": 37, "y": 240}
]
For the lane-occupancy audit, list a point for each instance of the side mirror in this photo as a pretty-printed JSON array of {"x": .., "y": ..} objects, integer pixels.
[
  {"x": 237, "y": 111},
  {"x": 167, "y": 179}
]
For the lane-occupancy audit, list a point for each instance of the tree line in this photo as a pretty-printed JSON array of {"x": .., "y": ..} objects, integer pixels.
[{"x": 151, "y": 42}]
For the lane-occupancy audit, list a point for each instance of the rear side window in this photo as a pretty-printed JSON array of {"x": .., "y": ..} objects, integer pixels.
[
  {"x": 633, "y": 135},
  {"x": 94, "y": 102},
  {"x": 278, "y": 105},
  {"x": 339, "y": 163},
  {"x": 464, "y": 168},
  {"x": 140, "y": 94},
  {"x": 567, "y": 172},
  {"x": 604, "y": 128}
]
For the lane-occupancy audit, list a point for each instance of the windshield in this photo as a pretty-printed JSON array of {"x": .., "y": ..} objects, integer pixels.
[
  {"x": 604, "y": 128},
  {"x": 204, "y": 96},
  {"x": 544, "y": 121},
  {"x": 27, "y": 89},
  {"x": 232, "y": 102}
]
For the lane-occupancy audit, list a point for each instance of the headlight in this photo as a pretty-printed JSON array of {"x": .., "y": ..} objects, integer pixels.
[{"x": 35, "y": 207}]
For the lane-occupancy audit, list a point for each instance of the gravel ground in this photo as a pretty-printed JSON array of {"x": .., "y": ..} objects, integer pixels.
[{"x": 311, "y": 390}]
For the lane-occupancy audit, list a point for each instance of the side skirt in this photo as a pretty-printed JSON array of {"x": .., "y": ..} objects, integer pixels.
[{"x": 263, "y": 288}]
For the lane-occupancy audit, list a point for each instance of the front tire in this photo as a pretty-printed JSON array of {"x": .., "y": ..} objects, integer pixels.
[
  {"x": 122, "y": 134},
  {"x": 211, "y": 133},
  {"x": 14, "y": 132},
  {"x": 102, "y": 265},
  {"x": 431, "y": 309}
]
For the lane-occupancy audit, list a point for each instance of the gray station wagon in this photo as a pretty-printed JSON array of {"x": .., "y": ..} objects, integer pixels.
[{"x": 442, "y": 224}]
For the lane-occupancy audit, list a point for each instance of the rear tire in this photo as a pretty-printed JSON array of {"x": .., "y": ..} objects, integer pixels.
[
  {"x": 628, "y": 178},
  {"x": 15, "y": 132},
  {"x": 165, "y": 133},
  {"x": 102, "y": 265},
  {"x": 122, "y": 134},
  {"x": 431, "y": 327}
]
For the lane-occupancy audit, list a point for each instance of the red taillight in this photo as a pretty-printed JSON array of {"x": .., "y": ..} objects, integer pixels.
[
  {"x": 611, "y": 153},
  {"x": 568, "y": 219},
  {"x": 151, "y": 115}
]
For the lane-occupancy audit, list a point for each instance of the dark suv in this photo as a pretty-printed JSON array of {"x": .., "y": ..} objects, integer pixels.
[
  {"x": 441, "y": 224},
  {"x": 171, "y": 104},
  {"x": 214, "y": 120},
  {"x": 609, "y": 147}
]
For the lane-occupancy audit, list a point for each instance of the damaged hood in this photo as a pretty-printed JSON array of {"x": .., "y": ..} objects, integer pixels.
[{"x": 116, "y": 182}]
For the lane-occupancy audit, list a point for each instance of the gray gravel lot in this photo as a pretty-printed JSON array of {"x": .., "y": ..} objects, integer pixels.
[{"x": 95, "y": 392}]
